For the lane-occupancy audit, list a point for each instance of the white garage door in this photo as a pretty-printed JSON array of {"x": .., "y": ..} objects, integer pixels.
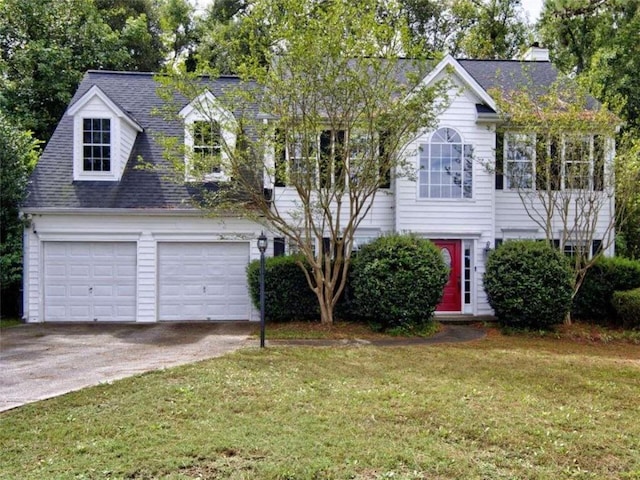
[
  {"x": 203, "y": 281},
  {"x": 89, "y": 281}
]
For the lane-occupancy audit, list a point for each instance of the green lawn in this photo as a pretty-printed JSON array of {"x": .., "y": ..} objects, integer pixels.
[{"x": 507, "y": 407}]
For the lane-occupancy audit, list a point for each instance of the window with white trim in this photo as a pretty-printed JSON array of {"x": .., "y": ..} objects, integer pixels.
[
  {"x": 96, "y": 145},
  {"x": 210, "y": 135},
  {"x": 446, "y": 166},
  {"x": 567, "y": 162},
  {"x": 325, "y": 157},
  {"x": 519, "y": 160}
]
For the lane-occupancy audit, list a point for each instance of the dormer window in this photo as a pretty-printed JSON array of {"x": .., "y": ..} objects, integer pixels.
[
  {"x": 103, "y": 137},
  {"x": 96, "y": 144},
  {"x": 209, "y": 138}
]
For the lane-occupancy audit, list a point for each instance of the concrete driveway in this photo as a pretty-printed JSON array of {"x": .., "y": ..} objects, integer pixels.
[{"x": 44, "y": 360}]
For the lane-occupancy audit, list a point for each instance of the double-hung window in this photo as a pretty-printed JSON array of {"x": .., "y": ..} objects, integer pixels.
[
  {"x": 326, "y": 157},
  {"x": 446, "y": 166},
  {"x": 206, "y": 147},
  {"x": 519, "y": 160},
  {"x": 96, "y": 145},
  {"x": 570, "y": 162}
]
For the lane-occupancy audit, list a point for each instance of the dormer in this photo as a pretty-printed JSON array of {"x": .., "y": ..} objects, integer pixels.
[
  {"x": 209, "y": 136},
  {"x": 103, "y": 137}
]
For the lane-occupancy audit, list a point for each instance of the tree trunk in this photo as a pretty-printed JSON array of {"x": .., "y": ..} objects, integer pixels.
[
  {"x": 567, "y": 318},
  {"x": 326, "y": 307}
]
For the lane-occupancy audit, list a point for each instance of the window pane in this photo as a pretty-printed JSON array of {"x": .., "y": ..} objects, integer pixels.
[
  {"x": 106, "y": 124},
  {"x": 86, "y": 124}
]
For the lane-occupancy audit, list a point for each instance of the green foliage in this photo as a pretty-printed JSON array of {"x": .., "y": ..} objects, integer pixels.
[
  {"x": 397, "y": 281},
  {"x": 287, "y": 292},
  {"x": 627, "y": 306},
  {"x": 18, "y": 156},
  {"x": 46, "y": 46},
  {"x": 594, "y": 299},
  {"x": 529, "y": 284},
  {"x": 326, "y": 67},
  {"x": 466, "y": 28}
]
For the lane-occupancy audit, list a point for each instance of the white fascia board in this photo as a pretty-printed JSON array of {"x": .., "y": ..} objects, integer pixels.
[
  {"x": 191, "y": 212},
  {"x": 95, "y": 91},
  {"x": 449, "y": 62}
]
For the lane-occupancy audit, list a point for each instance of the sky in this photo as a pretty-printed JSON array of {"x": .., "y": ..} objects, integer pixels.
[{"x": 532, "y": 7}]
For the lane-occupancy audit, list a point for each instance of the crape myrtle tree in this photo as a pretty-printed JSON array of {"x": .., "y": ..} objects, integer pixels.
[
  {"x": 558, "y": 153},
  {"x": 337, "y": 108}
]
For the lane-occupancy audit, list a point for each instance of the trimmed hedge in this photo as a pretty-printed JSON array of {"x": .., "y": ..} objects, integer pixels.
[
  {"x": 287, "y": 293},
  {"x": 397, "y": 281},
  {"x": 528, "y": 284},
  {"x": 627, "y": 306},
  {"x": 594, "y": 299}
]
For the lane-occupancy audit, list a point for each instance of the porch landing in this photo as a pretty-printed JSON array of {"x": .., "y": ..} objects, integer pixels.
[{"x": 462, "y": 318}]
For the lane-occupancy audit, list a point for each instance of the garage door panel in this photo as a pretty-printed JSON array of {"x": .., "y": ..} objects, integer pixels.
[
  {"x": 90, "y": 281},
  {"x": 203, "y": 281}
]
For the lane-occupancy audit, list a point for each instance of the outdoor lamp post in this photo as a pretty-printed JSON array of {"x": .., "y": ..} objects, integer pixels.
[{"x": 262, "y": 246}]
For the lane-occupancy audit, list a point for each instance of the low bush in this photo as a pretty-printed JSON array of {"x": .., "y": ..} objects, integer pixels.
[
  {"x": 397, "y": 281},
  {"x": 528, "y": 284},
  {"x": 287, "y": 293},
  {"x": 594, "y": 299},
  {"x": 627, "y": 306}
]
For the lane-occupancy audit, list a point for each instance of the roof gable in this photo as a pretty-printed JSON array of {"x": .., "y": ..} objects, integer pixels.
[
  {"x": 95, "y": 91},
  {"x": 448, "y": 63}
]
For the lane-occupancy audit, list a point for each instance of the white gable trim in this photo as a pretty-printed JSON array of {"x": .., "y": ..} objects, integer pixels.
[
  {"x": 207, "y": 106},
  {"x": 449, "y": 62},
  {"x": 95, "y": 91}
]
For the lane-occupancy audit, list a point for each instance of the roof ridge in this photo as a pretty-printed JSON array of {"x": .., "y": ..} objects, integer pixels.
[{"x": 126, "y": 72}]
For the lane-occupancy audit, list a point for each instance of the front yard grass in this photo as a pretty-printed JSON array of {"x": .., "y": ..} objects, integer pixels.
[{"x": 507, "y": 407}]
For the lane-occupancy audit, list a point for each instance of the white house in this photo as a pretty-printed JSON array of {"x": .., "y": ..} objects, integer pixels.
[{"x": 110, "y": 241}]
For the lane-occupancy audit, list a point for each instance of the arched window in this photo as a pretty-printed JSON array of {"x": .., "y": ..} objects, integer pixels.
[{"x": 446, "y": 166}]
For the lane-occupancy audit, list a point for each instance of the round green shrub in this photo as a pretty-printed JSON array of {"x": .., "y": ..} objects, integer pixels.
[
  {"x": 627, "y": 305},
  {"x": 397, "y": 281},
  {"x": 594, "y": 299},
  {"x": 529, "y": 284},
  {"x": 287, "y": 295}
]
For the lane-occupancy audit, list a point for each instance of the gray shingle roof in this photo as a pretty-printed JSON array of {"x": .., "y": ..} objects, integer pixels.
[
  {"x": 510, "y": 75},
  {"x": 52, "y": 185}
]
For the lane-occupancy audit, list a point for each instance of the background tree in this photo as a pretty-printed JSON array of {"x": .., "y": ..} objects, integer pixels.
[
  {"x": 339, "y": 114},
  {"x": 47, "y": 45},
  {"x": 178, "y": 25},
  {"x": 18, "y": 156},
  {"x": 222, "y": 38},
  {"x": 500, "y": 30},
  {"x": 138, "y": 23},
  {"x": 469, "y": 28}
]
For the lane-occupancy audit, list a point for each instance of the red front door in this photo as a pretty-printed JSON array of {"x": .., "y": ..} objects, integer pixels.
[{"x": 452, "y": 297}]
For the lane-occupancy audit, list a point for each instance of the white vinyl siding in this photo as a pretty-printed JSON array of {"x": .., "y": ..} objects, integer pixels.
[{"x": 468, "y": 219}]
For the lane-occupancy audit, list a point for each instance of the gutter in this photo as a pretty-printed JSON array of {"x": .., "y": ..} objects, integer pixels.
[{"x": 118, "y": 211}]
